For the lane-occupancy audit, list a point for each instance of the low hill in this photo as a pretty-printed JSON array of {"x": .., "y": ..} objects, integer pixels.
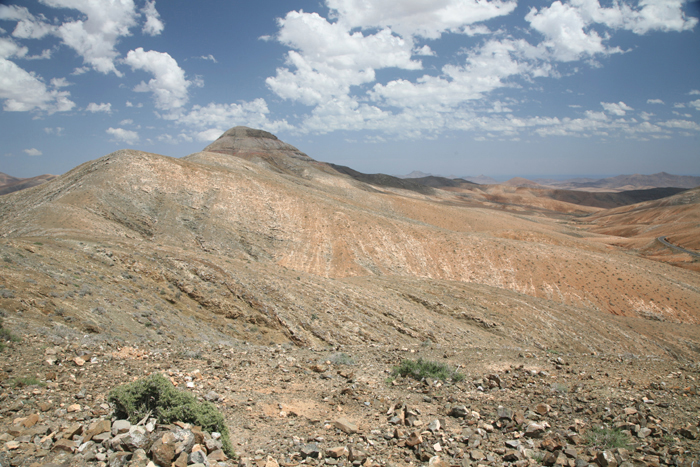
[{"x": 677, "y": 217}]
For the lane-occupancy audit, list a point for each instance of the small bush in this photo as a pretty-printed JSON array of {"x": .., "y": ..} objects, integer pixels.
[
  {"x": 341, "y": 358},
  {"x": 157, "y": 395},
  {"x": 607, "y": 438},
  {"x": 419, "y": 369},
  {"x": 25, "y": 381},
  {"x": 6, "y": 336}
]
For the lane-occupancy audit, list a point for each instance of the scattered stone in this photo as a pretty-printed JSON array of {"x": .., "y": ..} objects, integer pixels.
[
  {"x": 504, "y": 413},
  {"x": 534, "y": 430},
  {"x": 97, "y": 428},
  {"x": 345, "y": 425},
  {"x": 414, "y": 439},
  {"x": 12, "y": 445},
  {"x": 436, "y": 461},
  {"x": 31, "y": 420},
  {"x": 64, "y": 445},
  {"x": 434, "y": 426},
  {"x": 73, "y": 408},
  {"x": 606, "y": 459},
  {"x": 120, "y": 426},
  {"x": 459, "y": 411},
  {"x": 311, "y": 450},
  {"x": 198, "y": 457},
  {"x": 337, "y": 452},
  {"x": 355, "y": 454},
  {"x": 689, "y": 433}
]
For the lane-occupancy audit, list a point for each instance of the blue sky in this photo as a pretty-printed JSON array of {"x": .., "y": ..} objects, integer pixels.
[{"x": 451, "y": 87}]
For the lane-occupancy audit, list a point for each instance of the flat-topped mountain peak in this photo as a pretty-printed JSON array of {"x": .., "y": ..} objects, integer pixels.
[{"x": 250, "y": 143}]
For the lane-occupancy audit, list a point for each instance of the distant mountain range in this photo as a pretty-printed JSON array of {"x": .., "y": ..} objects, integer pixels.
[
  {"x": 480, "y": 179},
  {"x": 628, "y": 182},
  {"x": 618, "y": 183},
  {"x": 9, "y": 184}
]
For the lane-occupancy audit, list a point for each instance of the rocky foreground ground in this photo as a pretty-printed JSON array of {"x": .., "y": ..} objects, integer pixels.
[{"x": 342, "y": 406}]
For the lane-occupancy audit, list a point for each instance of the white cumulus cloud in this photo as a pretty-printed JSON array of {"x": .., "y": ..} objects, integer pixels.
[
  {"x": 328, "y": 59},
  {"x": 654, "y": 101},
  {"x": 103, "y": 107},
  {"x": 485, "y": 70},
  {"x": 425, "y": 18},
  {"x": 209, "y": 135},
  {"x": 618, "y": 109},
  {"x": 569, "y": 26},
  {"x": 58, "y": 131},
  {"x": 153, "y": 25},
  {"x": 33, "y": 152},
  {"x": 121, "y": 135},
  {"x": 216, "y": 116},
  {"x": 28, "y": 26},
  {"x": 566, "y": 31},
  {"x": 94, "y": 34},
  {"x": 681, "y": 124},
  {"x": 169, "y": 85},
  {"x": 24, "y": 91}
]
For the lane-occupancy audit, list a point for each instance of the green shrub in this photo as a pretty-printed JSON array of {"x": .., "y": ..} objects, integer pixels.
[
  {"x": 157, "y": 395},
  {"x": 419, "y": 369},
  {"x": 341, "y": 358},
  {"x": 607, "y": 438},
  {"x": 25, "y": 381},
  {"x": 6, "y": 336}
]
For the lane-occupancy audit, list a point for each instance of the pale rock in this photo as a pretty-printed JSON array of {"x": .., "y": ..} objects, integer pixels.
[
  {"x": 120, "y": 426},
  {"x": 606, "y": 459},
  {"x": 198, "y": 457},
  {"x": 534, "y": 430},
  {"x": 413, "y": 439},
  {"x": 343, "y": 424},
  {"x": 337, "y": 452},
  {"x": 436, "y": 461}
]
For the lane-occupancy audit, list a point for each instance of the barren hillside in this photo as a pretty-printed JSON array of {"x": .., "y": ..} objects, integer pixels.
[
  {"x": 286, "y": 292},
  {"x": 276, "y": 213}
]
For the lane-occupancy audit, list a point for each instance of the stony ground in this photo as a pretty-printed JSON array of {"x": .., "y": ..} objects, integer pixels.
[{"x": 286, "y": 406}]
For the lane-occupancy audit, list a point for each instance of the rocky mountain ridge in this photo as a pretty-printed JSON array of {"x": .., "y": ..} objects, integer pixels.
[{"x": 292, "y": 290}]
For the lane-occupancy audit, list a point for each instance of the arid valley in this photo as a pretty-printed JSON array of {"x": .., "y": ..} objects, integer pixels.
[{"x": 287, "y": 292}]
